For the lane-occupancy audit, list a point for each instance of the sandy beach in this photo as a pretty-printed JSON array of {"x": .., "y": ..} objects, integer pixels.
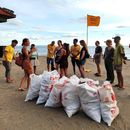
[{"x": 16, "y": 114}]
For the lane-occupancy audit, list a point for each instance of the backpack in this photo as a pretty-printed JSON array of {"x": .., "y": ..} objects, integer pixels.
[
  {"x": 87, "y": 55},
  {"x": 19, "y": 60}
]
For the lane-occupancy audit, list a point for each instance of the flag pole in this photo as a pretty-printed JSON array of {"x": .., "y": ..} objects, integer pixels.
[{"x": 87, "y": 30}]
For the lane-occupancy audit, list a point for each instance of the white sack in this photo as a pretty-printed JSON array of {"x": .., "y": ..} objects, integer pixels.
[
  {"x": 54, "y": 99},
  {"x": 47, "y": 83},
  {"x": 70, "y": 98},
  {"x": 109, "y": 108},
  {"x": 90, "y": 101},
  {"x": 34, "y": 87}
]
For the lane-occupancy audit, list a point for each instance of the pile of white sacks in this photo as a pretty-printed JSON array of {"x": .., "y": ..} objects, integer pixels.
[{"x": 74, "y": 93}]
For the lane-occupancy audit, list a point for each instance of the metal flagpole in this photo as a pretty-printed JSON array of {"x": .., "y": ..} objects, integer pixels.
[{"x": 87, "y": 30}]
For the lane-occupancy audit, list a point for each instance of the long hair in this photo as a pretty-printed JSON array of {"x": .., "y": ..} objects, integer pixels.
[
  {"x": 24, "y": 41},
  {"x": 66, "y": 47},
  {"x": 84, "y": 44}
]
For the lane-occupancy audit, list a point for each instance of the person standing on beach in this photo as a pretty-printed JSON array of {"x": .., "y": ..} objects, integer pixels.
[
  {"x": 50, "y": 56},
  {"x": 119, "y": 58},
  {"x": 57, "y": 53},
  {"x": 8, "y": 56},
  {"x": 108, "y": 61},
  {"x": 34, "y": 57},
  {"x": 83, "y": 53},
  {"x": 75, "y": 54},
  {"x": 27, "y": 66},
  {"x": 97, "y": 57},
  {"x": 63, "y": 59}
]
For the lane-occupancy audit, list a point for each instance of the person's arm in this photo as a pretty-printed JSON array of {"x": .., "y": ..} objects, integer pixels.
[
  {"x": 123, "y": 54},
  {"x": 6, "y": 50},
  {"x": 5, "y": 55}
]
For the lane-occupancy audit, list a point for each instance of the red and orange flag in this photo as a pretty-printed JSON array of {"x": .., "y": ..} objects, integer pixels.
[{"x": 93, "y": 20}]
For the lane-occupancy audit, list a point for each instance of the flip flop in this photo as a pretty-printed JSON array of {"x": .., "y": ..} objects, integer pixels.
[
  {"x": 116, "y": 85},
  {"x": 21, "y": 89}
]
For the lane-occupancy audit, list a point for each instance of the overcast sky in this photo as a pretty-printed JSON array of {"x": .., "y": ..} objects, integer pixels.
[{"x": 45, "y": 20}]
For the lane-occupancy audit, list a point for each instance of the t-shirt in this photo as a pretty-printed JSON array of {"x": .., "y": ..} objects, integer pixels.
[
  {"x": 9, "y": 51},
  {"x": 51, "y": 51},
  {"x": 109, "y": 54},
  {"x": 98, "y": 52},
  {"x": 98, "y": 49},
  {"x": 34, "y": 55},
  {"x": 81, "y": 53},
  {"x": 119, "y": 50},
  {"x": 75, "y": 51}
]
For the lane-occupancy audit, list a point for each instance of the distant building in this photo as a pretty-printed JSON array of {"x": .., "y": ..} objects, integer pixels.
[{"x": 6, "y": 14}]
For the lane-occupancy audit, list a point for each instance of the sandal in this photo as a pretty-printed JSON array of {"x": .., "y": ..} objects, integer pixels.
[{"x": 21, "y": 89}]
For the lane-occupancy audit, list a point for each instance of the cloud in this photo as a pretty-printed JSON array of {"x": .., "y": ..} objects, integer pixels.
[
  {"x": 15, "y": 22},
  {"x": 107, "y": 7},
  {"x": 69, "y": 36},
  {"x": 122, "y": 26}
]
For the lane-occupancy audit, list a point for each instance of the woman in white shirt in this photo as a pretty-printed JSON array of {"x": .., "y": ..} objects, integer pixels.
[{"x": 34, "y": 57}]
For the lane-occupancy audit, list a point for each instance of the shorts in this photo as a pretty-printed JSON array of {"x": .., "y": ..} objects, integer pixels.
[
  {"x": 35, "y": 62},
  {"x": 82, "y": 62},
  {"x": 97, "y": 61},
  {"x": 50, "y": 60},
  {"x": 118, "y": 68}
]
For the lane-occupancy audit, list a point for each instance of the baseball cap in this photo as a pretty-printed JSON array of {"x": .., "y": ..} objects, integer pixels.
[{"x": 117, "y": 37}]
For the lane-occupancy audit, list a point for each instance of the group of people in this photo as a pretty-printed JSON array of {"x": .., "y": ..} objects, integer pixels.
[
  {"x": 113, "y": 58},
  {"x": 29, "y": 61},
  {"x": 57, "y": 58}
]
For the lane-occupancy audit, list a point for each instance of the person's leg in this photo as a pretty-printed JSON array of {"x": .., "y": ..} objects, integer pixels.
[
  {"x": 57, "y": 65},
  {"x": 65, "y": 71},
  {"x": 62, "y": 72},
  {"x": 28, "y": 81},
  {"x": 106, "y": 67},
  {"x": 34, "y": 68},
  {"x": 73, "y": 64},
  {"x": 23, "y": 82},
  {"x": 7, "y": 66},
  {"x": 120, "y": 80},
  {"x": 52, "y": 64},
  {"x": 98, "y": 69},
  {"x": 81, "y": 69},
  {"x": 48, "y": 64},
  {"x": 111, "y": 72}
]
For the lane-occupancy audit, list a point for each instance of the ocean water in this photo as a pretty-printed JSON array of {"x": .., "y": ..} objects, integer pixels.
[{"x": 42, "y": 50}]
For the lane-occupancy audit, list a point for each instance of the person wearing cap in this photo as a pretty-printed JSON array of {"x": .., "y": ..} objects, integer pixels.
[
  {"x": 108, "y": 60},
  {"x": 8, "y": 56},
  {"x": 97, "y": 57},
  {"x": 119, "y": 58}
]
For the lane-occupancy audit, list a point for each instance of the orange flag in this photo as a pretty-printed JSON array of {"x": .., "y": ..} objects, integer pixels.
[{"x": 93, "y": 20}]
